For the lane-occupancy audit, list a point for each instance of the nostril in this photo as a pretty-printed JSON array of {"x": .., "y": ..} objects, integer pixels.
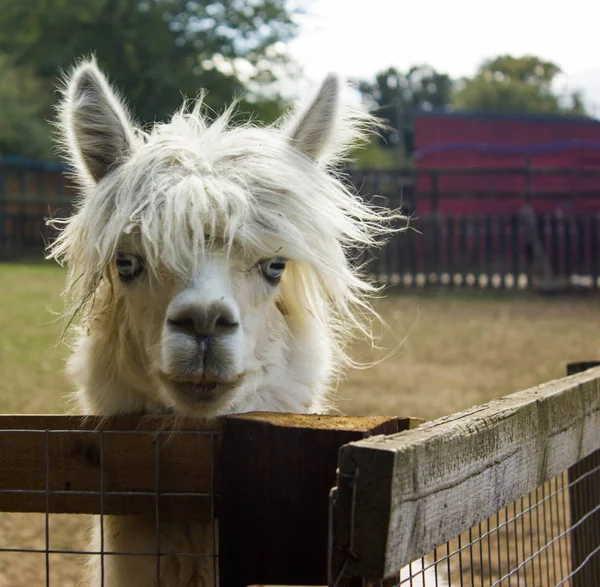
[
  {"x": 183, "y": 324},
  {"x": 226, "y": 321}
]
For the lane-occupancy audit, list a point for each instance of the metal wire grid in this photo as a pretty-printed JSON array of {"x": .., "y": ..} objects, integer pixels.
[
  {"x": 528, "y": 543},
  {"x": 42, "y": 572}
]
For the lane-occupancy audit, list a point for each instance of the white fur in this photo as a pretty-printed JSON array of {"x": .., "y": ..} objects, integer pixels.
[{"x": 201, "y": 204}]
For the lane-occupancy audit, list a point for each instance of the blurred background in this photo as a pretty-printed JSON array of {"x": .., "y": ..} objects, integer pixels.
[{"x": 492, "y": 148}]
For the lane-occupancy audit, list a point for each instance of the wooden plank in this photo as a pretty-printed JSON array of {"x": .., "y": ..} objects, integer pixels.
[
  {"x": 579, "y": 233},
  {"x": 276, "y": 473},
  {"x": 567, "y": 246},
  {"x": 450, "y": 250},
  {"x": 476, "y": 248},
  {"x": 584, "y": 497},
  {"x": 405, "y": 494},
  {"x": 364, "y": 425},
  {"x": 463, "y": 248},
  {"x": 488, "y": 239},
  {"x": 74, "y": 481},
  {"x": 121, "y": 422},
  {"x": 54, "y": 463},
  {"x": 501, "y": 260},
  {"x": 515, "y": 248}
]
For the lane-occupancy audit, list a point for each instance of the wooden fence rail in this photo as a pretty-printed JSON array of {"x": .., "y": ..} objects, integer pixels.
[{"x": 399, "y": 497}]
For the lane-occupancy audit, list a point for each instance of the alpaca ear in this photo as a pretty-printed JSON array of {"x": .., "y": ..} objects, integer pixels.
[
  {"x": 332, "y": 124},
  {"x": 311, "y": 129},
  {"x": 97, "y": 129}
]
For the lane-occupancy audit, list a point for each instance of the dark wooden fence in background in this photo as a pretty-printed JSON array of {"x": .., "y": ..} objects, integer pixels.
[
  {"x": 30, "y": 192},
  {"x": 482, "y": 228},
  {"x": 515, "y": 228}
]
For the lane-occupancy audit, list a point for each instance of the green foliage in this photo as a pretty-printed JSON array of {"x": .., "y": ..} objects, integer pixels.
[
  {"x": 374, "y": 156},
  {"x": 518, "y": 85},
  {"x": 577, "y": 105},
  {"x": 24, "y": 100},
  {"x": 398, "y": 96},
  {"x": 157, "y": 50}
]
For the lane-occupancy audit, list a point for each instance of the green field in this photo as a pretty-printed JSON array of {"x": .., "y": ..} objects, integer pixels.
[{"x": 30, "y": 326}]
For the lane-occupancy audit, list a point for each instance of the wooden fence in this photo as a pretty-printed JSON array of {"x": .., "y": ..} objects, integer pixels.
[
  {"x": 400, "y": 498},
  {"x": 265, "y": 477},
  {"x": 30, "y": 192},
  {"x": 315, "y": 500},
  {"x": 499, "y": 228},
  {"x": 550, "y": 251}
]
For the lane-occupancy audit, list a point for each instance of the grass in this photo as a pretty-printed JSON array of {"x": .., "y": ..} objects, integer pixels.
[
  {"x": 31, "y": 381},
  {"x": 452, "y": 352},
  {"x": 457, "y": 351},
  {"x": 30, "y": 361}
]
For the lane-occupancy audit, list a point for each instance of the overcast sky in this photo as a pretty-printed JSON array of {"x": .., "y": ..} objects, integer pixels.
[{"x": 360, "y": 37}]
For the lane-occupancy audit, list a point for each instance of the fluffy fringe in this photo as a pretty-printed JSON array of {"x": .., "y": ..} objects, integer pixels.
[{"x": 188, "y": 185}]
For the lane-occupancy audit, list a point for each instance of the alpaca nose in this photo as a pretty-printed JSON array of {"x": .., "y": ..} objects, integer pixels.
[{"x": 202, "y": 321}]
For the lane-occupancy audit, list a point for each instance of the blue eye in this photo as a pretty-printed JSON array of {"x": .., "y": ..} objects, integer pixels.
[
  {"x": 272, "y": 269},
  {"x": 129, "y": 266}
]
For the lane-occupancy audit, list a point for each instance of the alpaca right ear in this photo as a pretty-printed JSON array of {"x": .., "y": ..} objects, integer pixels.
[
  {"x": 311, "y": 130},
  {"x": 97, "y": 129},
  {"x": 331, "y": 125}
]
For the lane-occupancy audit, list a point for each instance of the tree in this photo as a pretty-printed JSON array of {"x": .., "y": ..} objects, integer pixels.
[
  {"x": 24, "y": 102},
  {"x": 156, "y": 50},
  {"x": 398, "y": 96},
  {"x": 515, "y": 85}
]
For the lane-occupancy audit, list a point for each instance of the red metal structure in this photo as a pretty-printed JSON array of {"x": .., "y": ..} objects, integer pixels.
[{"x": 504, "y": 158}]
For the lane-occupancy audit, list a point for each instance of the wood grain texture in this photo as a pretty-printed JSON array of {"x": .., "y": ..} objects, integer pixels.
[
  {"x": 54, "y": 463},
  {"x": 418, "y": 489},
  {"x": 276, "y": 475}
]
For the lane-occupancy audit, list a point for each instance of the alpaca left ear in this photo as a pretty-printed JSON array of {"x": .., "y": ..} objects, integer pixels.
[
  {"x": 311, "y": 130},
  {"x": 96, "y": 127}
]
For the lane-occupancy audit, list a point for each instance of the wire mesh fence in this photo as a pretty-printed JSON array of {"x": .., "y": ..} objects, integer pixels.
[
  {"x": 152, "y": 501},
  {"x": 541, "y": 539},
  {"x": 152, "y": 523}
]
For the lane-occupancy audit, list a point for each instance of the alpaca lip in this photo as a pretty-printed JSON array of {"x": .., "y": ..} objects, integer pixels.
[
  {"x": 201, "y": 391},
  {"x": 206, "y": 388}
]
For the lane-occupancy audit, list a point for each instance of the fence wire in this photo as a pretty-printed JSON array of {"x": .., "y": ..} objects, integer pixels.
[
  {"x": 54, "y": 550},
  {"x": 548, "y": 538}
]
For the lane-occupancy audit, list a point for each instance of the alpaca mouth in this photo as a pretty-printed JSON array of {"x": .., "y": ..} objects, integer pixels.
[{"x": 201, "y": 389}]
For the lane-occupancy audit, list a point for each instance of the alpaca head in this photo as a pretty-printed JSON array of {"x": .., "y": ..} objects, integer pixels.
[{"x": 210, "y": 265}]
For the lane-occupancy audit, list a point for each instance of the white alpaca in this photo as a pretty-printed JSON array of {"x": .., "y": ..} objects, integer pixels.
[{"x": 209, "y": 270}]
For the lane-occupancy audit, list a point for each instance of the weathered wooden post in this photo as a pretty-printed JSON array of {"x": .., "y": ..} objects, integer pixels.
[
  {"x": 584, "y": 497},
  {"x": 276, "y": 473}
]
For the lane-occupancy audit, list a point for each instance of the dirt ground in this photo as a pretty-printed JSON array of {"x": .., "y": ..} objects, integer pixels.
[
  {"x": 445, "y": 353},
  {"x": 439, "y": 354}
]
